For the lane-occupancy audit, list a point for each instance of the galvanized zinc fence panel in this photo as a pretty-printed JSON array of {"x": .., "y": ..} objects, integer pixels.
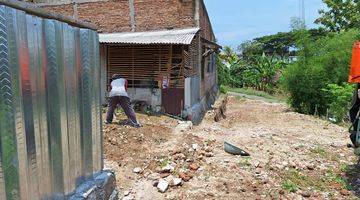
[{"x": 50, "y": 117}]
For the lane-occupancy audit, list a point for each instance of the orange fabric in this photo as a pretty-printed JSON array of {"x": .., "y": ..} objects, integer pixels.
[{"x": 354, "y": 76}]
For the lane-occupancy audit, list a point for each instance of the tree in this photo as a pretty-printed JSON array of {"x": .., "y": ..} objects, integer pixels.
[
  {"x": 282, "y": 44},
  {"x": 341, "y": 15},
  {"x": 250, "y": 49}
]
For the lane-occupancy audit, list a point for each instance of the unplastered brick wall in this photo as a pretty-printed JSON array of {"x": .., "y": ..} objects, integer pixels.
[
  {"x": 163, "y": 14},
  {"x": 63, "y": 10},
  {"x": 109, "y": 16},
  {"x": 115, "y": 15},
  {"x": 205, "y": 24}
]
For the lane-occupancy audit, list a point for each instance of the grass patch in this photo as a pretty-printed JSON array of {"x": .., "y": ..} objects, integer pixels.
[
  {"x": 293, "y": 180},
  {"x": 331, "y": 176},
  {"x": 252, "y": 92},
  {"x": 164, "y": 162},
  {"x": 244, "y": 162},
  {"x": 318, "y": 151},
  {"x": 289, "y": 186}
]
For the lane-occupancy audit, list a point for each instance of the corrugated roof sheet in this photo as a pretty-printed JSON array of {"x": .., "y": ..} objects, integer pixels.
[{"x": 178, "y": 36}]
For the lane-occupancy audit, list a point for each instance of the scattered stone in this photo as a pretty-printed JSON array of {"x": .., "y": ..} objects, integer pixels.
[
  {"x": 158, "y": 169},
  {"x": 195, "y": 146},
  {"x": 170, "y": 180},
  {"x": 257, "y": 164},
  {"x": 208, "y": 149},
  {"x": 126, "y": 193},
  {"x": 310, "y": 167},
  {"x": 264, "y": 180},
  {"x": 280, "y": 166},
  {"x": 306, "y": 194},
  {"x": 210, "y": 194},
  {"x": 154, "y": 176},
  {"x": 130, "y": 197},
  {"x": 179, "y": 156},
  {"x": 177, "y": 181},
  {"x": 258, "y": 171},
  {"x": 184, "y": 176},
  {"x": 163, "y": 185},
  {"x": 168, "y": 168},
  {"x": 194, "y": 166},
  {"x": 284, "y": 163},
  {"x": 336, "y": 145},
  {"x": 209, "y": 154},
  {"x": 184, "y": 126},
  {"x": 292, "y": 164},
  {"x": 137, "y": 170},
  {"x": 344, "y": 192},
  {"x": 226, "y": 160},
  {"x": 164, "y": 175},
  {"x": 176, "y": 151}
]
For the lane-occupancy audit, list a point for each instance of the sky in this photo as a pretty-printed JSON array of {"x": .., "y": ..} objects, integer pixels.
[{"x": 236, "y": 21}]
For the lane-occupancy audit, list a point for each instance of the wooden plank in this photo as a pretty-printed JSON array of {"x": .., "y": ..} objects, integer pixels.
[{"x": 147, "y": 63}]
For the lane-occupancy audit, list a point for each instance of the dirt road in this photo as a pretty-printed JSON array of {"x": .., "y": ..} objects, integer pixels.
[{"x": 293, "y": 156}]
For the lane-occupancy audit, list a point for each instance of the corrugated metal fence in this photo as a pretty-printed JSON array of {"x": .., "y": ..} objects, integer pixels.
[{"x": 50, "y": 124}]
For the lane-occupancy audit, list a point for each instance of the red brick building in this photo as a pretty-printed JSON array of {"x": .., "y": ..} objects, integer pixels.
[{"x": 165, "y": 48}]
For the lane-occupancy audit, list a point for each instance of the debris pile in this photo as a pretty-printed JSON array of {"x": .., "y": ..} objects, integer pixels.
[
  {"x": 179, "y": 166},
  {"x": 220, "y": 112}
]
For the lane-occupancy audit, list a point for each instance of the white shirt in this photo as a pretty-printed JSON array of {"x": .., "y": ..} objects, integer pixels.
[{"x": 118, "y": 88}]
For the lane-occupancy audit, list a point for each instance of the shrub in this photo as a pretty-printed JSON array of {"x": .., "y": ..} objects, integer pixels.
[
  {"x": 223, "y": 89},
  {"x": 339, "y": 99},
  {"x": 320, "y": 63}
]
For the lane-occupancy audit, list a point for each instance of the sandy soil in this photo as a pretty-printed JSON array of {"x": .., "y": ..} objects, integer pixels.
[{"x": 293, "y": 156}]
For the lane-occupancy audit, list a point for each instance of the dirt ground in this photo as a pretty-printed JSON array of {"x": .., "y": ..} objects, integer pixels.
[{"x": 292, "y": 156}]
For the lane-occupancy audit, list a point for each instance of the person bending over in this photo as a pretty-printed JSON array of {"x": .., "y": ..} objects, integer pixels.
[{"x": 118, "y": 96}]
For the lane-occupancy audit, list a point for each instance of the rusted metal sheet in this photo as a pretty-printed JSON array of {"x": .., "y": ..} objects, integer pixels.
[
  {"x": 50, "y": 120},
  {"x": 173, "y": 100}
]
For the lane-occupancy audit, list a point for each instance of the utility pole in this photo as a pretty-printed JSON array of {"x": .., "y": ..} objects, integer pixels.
[{"x": 302, "y": 12}]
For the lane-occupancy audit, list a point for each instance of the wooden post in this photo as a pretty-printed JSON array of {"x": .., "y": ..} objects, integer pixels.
[
  {"x": 133, "y": 70},
  {"x": 170, "y": 64},
  {"x": 182, "y": 62}
]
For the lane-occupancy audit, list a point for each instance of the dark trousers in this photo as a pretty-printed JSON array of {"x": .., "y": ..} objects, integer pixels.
[{"x": 125, "y": 105}]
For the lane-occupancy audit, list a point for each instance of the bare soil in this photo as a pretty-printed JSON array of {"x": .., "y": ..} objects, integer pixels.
[{"x": 293, "y": 156}]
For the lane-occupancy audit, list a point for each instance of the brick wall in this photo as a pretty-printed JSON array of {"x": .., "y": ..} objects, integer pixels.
[
  {"x": 114, "y": 15},
  {"x": 205, "y": 24},
  {"x": 63, "y": 10},
  {"x": 206, "y": 32},
  {"x": 163, "y": 14},
  {"x": 109, "y": 16}
]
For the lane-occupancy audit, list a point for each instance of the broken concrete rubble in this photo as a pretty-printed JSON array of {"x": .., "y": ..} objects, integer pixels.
[
  {"x": 163, "y": 185},
  {"x": 102, "y": 186},
  {"x": 184, "y": 126},
  {"x": 177, "y": 181},
  {"x": 137, "y": 170}
]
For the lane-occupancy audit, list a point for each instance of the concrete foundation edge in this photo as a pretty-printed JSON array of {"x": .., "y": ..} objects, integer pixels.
[{"x": 197, "y": 112}]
